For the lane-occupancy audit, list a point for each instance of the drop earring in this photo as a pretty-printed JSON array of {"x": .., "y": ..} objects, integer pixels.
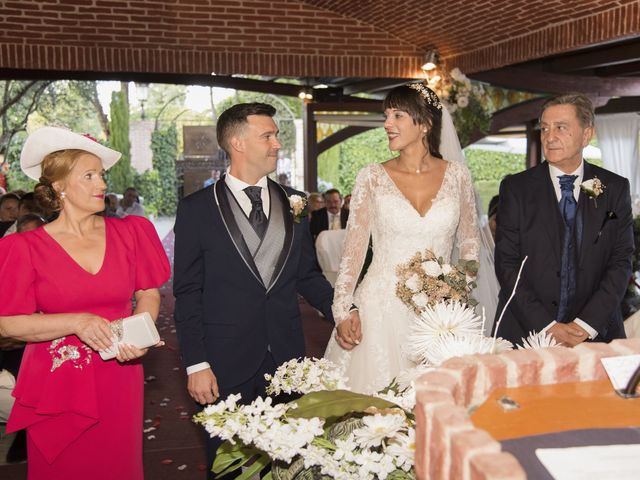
[{"x": 62, "y": 194}]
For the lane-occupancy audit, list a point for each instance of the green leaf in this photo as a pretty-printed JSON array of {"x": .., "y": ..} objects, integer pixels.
[
  {"x": 331, "y": 405},
  {"x": 228, "y": 454},
  {"x": 255, "y": 467}
]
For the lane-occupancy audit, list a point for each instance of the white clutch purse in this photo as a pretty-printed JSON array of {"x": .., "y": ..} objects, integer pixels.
[{"x": 138, "y": 330}]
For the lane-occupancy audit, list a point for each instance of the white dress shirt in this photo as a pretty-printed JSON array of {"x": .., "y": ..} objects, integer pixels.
[
  {"x": 554, "y": 173},
  {"x": 334, "y": 221},
  {"x": 237, "y": 187}
]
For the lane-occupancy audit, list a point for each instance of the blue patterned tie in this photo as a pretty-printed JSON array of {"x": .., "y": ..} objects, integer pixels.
[
  {"x": 257, "y": 218},
  {"x": 568, "y": 208}
]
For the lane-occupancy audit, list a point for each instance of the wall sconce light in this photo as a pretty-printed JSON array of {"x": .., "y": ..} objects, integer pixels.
[
  {"x": 305, "y": 94},
  {"x": 431, "y": 60}
]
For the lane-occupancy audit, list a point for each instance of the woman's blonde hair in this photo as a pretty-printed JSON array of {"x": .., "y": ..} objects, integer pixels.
[{"x": 56, "y": 167}]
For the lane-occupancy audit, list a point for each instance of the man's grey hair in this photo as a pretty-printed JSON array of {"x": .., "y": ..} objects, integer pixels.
[{"x": 582, "y": 103}]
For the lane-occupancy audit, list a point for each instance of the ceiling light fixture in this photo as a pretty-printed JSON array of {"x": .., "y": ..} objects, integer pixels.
[{"x": 431, "y": 60}]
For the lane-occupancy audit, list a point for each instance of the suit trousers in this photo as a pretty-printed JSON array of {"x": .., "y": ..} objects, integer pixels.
[{"x": 250, "y": 390}]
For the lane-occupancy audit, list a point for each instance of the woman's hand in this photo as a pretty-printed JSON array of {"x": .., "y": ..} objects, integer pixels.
[
  {"x": 126, "y": 353},
  {"x": 349, "y": 332},
  {"x": 93, "y": 330}
]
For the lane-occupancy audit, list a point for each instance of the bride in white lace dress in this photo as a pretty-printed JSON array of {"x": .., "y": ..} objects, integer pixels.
[{"x": 410, "y": 203}]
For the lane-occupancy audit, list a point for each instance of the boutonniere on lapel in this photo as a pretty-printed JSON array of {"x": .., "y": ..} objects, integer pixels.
[
  {"x": 298, "y": 206},
  {"x": 593, "y": 188}
]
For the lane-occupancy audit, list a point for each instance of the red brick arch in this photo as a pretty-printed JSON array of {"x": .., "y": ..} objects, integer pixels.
[{"x": 337, "y": 38}]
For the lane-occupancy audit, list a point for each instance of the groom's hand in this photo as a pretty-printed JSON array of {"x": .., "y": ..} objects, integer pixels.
[
  {"x": 568, "y": 334},
  {"x": 203, "y": 386}
]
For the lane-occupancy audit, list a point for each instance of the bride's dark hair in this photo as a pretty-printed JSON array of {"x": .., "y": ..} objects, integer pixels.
[{"x": 422, "y": 112}]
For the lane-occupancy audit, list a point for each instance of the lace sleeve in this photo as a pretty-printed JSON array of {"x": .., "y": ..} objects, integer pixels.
[
  {"x": 355, "y": 245},
  {"x": 468, "y": 235}
]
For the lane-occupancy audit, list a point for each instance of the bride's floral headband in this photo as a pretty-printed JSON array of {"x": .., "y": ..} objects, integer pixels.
[{"x": 429, "y": 95}]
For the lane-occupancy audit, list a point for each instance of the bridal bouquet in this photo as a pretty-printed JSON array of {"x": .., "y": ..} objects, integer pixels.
[
  {"x": 333, "y": 433},
  {"x": 425, "y": 280}
]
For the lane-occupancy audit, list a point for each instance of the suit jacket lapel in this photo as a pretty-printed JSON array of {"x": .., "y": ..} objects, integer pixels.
[
  {"x": 232, "y": 227},
  {"x": 280, "y": 198},
  {"x": 549, "y": 203}
]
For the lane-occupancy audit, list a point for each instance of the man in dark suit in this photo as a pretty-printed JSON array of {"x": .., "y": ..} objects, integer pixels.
[
  {"x": 579, "y": 242},
  {"x": 331, "y": 217},
  {"x": 240, "y": 262}
]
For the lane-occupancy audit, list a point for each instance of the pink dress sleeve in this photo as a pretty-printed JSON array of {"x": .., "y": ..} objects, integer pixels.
[
  {"x": 152, "y": 265},
  {"x": 17, "y": 294}
]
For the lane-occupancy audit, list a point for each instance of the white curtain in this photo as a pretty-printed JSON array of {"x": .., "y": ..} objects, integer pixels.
[{"x": 618, "y": 140}]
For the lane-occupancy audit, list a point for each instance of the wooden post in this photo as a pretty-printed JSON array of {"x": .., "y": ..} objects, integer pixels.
[
  {"x": 310, "y": 128},
  {"x": 534, "y": 145}
]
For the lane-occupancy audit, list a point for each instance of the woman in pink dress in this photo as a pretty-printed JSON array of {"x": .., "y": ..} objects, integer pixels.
[{"x": 60, "y": 287}]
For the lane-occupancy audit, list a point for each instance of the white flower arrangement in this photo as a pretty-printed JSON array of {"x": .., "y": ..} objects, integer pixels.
[
  {"x": 298, "y": 206},
  {"x": 467, "y": 102},
  {"x": 376, "y": 440},
  {"x": 305, "y": 376},
  {"x": 538, "y": 340}
]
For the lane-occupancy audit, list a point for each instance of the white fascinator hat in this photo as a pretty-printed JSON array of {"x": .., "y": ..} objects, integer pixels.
[{"x": 47, "y": 140}]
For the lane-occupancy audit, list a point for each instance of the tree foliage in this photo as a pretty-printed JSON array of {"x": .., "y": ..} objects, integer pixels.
[
  {"x": 73, "y": 105},
  {"x": 165, "y": 150},
  {"x": 19, "y": 99},
  {"x": 121, "y": 175}
]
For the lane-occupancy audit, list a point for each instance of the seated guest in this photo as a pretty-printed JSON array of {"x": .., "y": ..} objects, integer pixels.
[
  {"x": 29, "y": 222},
  {"x": 9, "y": 204},
  {"x": 331, "y": 217},
  {"x": 111, "y": 205},
  {"x": 130, "y": 204},
  {"x": 315, "y": 201},
  {"x": 28, "y": 205}
]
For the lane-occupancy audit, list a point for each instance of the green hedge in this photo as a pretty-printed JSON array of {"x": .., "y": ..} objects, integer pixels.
[{"x": 487, "y": 165}]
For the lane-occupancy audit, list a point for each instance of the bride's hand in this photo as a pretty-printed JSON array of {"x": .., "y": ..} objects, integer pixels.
[{"x": 349, "y": 332}]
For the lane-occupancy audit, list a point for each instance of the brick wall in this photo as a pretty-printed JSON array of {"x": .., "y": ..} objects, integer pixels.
[
  {"x": 449, "y": 447},
  {"x": 283, "y": 37},
  {"x": 483, "y": 34},
  {"x": 350, "y": 38}
]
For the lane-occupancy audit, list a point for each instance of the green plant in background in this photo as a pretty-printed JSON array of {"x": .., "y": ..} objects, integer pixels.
[
  {"x": 16, "y": 180},
  {"x": 121, "y": 175},
  {"x": 488, "y": 168},
  {"x": 149, "y": 186},
  {"x": 358, "y": 151},
  {"x": 164, "y": 148}
]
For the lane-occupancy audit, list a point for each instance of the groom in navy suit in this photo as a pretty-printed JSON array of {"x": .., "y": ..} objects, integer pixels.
[
  {"x": 578, "y": 237},
  {"x": 241, "y": 259}
]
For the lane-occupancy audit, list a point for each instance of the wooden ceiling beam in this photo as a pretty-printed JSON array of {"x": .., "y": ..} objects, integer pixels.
[
  {"x": 546, "y": 82},
  {"x": 602, "y": 57},
  {"x": 340, "y": 136},
  {"x": 373, "y": 85}
]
